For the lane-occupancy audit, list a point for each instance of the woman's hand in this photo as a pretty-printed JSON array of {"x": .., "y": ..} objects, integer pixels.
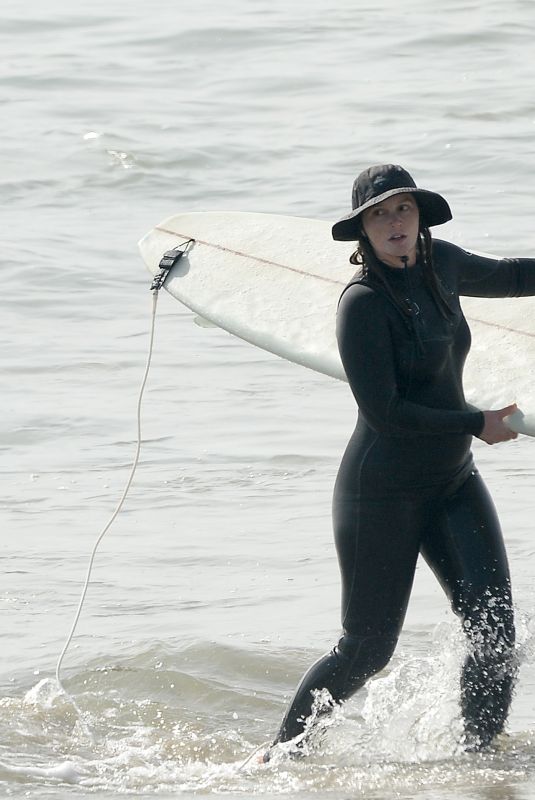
[{"x": 495, "y": 430}]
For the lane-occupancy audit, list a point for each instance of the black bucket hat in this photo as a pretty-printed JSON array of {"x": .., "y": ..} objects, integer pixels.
[{"x": 378, "y": 183}]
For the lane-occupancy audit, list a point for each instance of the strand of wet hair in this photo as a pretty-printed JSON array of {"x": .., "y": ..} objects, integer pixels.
[{"x": 438, "y": 293}]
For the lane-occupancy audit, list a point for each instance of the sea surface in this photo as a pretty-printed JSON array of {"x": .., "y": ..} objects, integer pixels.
[{"x": 217, "y": 585}]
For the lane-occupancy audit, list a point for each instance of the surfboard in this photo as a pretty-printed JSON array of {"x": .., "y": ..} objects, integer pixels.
[{"x": 274, "y": 281}]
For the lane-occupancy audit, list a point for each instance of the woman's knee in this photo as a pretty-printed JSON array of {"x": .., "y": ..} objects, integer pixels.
[
  {"x": 492, "y": 662},
  {"x": 361, "y": 657},
  {"x": 488, "y": 619}
]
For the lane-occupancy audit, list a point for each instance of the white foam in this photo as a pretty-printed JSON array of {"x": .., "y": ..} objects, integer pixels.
[{"x": 65, "y": 772}]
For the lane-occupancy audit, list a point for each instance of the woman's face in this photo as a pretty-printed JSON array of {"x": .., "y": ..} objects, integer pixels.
[{"x": 392, "y": 228}]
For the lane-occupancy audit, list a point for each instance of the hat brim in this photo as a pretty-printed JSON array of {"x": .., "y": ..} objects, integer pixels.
[{"x": 434, "y": 210}]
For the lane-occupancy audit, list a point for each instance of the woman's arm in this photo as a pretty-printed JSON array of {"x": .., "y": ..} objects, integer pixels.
[
  {"x": 483, "y": 276},
  {"x": 367, "y": 352}
]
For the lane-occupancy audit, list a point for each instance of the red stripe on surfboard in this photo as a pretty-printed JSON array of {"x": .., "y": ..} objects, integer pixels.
[
  {"x": 311, "y": 274},
  {"x": 501, "y": 327},
  {"x": 254, "y": 258}
]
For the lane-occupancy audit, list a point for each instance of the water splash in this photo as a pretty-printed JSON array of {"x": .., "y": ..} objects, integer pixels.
[{"x": 160, "y": 728}]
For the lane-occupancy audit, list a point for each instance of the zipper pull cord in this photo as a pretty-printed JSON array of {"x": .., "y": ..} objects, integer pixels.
[{"x": 414, "y": 310}]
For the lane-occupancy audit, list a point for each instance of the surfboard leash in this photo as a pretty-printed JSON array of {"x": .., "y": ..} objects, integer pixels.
[{"x": 167, "y": 262}]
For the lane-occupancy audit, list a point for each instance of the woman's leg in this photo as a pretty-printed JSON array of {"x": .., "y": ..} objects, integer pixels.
[
  {"x": 464, "y": 547},
  {"x": 377, "y": 542}
]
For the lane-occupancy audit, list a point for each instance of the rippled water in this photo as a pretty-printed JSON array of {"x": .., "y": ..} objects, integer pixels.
[{"x": 218, "y": 583}]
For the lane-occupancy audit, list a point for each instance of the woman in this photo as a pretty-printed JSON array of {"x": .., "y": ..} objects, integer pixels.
[{"x": 407, "y": 483}]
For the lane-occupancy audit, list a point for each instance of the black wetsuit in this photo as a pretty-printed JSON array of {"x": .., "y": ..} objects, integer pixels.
[{"x": 407, "y": 484}]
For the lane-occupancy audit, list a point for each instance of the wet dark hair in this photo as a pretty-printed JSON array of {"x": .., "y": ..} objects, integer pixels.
[{"x": 371, "y": 268}]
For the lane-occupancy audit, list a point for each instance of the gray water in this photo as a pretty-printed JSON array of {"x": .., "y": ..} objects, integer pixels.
[{"x": 218, "y": 584}]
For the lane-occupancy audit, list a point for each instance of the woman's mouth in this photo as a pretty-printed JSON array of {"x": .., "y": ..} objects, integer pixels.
[{"x": 396, "y": 237}]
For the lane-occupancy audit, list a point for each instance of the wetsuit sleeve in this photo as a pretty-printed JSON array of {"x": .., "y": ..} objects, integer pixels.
[
  {"x": 366, "y": 347},
  {"x": 481, "y": 276}
]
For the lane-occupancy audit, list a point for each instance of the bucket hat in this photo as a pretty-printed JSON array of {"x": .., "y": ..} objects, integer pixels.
[{"x": 378, "y": 183}]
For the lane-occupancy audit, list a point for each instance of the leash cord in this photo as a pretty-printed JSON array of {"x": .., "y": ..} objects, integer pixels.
[
  {"x": 167, "y": 262},
  {"x": 117, "y": 510}
]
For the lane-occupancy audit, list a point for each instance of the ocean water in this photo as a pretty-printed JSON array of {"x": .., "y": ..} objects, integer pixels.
[{"x": 218, "y": 585}]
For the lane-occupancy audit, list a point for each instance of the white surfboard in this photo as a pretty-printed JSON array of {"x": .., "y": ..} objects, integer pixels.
[{"x": 274, "y": 281}]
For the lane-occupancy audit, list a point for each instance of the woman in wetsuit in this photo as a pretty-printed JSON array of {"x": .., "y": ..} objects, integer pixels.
[{"x": 407, "y": 483}]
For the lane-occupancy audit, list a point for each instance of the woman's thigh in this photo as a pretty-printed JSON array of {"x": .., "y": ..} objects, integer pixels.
[
  {"x": 377, "y": 542},
  {"x": 463, "y": 545}
]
